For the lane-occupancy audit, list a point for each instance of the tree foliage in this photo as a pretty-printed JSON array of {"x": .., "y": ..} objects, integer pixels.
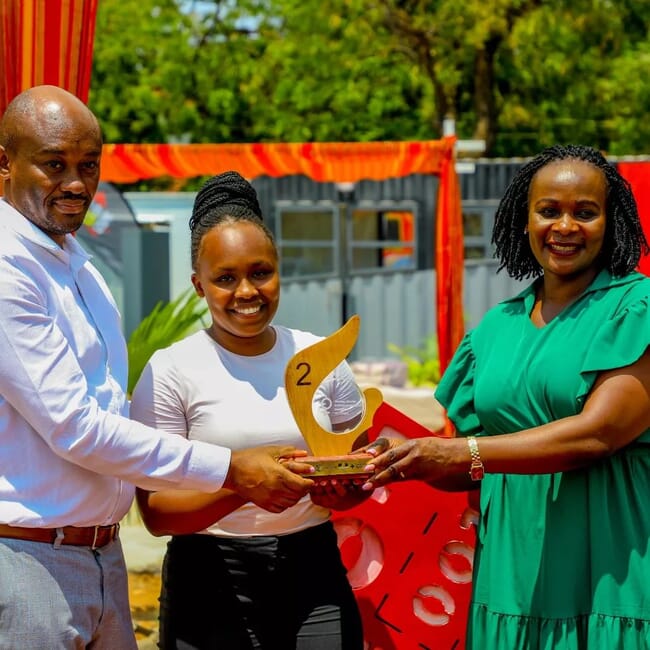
[{"x": 519, "y": 74}]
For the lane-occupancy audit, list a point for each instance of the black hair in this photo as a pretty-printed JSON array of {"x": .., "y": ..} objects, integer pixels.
[
  {"x": 624, "y": 239},
  {"x": 225, "y": 198}
]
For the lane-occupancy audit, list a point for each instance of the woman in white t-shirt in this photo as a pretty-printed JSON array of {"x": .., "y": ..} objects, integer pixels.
[{"x": 236, "y": 576}]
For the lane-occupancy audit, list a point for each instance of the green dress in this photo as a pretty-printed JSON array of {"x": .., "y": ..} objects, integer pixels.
[{"x": 562, "y": 560}]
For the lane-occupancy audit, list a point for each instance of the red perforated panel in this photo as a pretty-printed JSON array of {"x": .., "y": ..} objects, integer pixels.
[{"x": 409, "y": 551}]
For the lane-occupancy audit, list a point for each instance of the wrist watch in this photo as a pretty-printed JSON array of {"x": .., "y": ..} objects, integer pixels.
[{"x": 476, "y": 469}]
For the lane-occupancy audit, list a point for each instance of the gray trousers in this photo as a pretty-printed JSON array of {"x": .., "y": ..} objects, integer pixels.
[{"x": 65, "y": 598}]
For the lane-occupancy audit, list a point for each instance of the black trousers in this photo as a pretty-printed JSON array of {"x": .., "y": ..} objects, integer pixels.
[{"x": 289, "y": 592}]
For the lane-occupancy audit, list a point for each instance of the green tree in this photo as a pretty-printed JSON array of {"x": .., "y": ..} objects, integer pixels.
[
  {"x": 518, "y": 74},
  {"x": 161, "y": 74},
  {"x": 573, "y": 73}
]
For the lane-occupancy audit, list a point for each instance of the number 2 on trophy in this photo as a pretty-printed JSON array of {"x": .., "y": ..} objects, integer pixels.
[{"x": 302, "y": 380}]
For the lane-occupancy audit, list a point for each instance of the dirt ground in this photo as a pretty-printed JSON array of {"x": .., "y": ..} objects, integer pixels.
[{"x": 144, "y": 589}]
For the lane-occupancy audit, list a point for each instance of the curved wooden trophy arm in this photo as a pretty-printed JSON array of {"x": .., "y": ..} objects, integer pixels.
[{"x": 304, "y": 374}]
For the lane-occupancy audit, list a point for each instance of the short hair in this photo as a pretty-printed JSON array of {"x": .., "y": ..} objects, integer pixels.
[
  {"x": 225, "y": 198},
  {"x": 624, "y": 241}
]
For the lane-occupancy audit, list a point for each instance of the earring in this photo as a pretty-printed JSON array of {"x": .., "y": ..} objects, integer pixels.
[{"x": 525, "y": 230}]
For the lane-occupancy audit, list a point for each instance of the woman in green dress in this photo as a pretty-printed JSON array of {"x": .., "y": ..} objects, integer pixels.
[{"x": 550, "y": 396}]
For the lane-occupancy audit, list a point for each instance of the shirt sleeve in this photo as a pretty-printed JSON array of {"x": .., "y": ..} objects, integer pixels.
[
  {"x": 456, "y": 390},
  {"x": 43, "y": 387}
]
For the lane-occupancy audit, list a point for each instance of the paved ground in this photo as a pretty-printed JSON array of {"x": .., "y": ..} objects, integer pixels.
[
  {"x": 143, "y": 551},
  {"x": 144, "y": 554}
]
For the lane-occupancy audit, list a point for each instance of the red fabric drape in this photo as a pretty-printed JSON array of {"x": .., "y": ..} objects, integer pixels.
[
  {"x": 638, "y": 175},
  {"x": 332, "y": 162},
  {"x": 450, "y": 263},
  {"x": 320, "y": 161},
  {"x": 46, "y": 42}
]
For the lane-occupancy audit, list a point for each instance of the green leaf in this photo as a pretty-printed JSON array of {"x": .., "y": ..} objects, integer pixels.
[
  {"x": 167, "y": 323},
  {"x": 423, "y": 364}
]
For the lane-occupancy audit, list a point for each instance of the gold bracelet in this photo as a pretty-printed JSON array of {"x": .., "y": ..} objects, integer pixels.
[{"x": 476, "y": 469}]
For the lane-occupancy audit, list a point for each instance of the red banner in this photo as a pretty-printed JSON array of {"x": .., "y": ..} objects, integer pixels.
[
  {"x": 638, "y": 175},
  {"x": 321, "y": 161}
]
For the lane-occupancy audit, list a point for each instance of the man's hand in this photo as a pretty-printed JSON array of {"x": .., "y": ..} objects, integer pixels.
[{"x": 258, "y": 475}]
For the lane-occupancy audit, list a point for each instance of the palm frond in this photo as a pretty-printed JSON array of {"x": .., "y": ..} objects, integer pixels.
[{"x": 166, "y": 323}]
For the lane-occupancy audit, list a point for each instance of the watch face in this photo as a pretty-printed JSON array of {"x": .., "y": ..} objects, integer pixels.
[{"x": 476, "y": 473}]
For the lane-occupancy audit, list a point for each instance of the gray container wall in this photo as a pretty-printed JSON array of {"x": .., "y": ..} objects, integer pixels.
[
  {"x": 482, "y": 180},
  {"x": 420, "y": 188},
  {"x": 397, "y": 307}
]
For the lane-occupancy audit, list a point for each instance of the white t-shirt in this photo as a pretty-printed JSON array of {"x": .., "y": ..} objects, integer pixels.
[{"x": 200, "y": 390}]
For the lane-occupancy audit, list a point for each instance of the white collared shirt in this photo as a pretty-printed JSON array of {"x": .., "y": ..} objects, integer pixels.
[{"x": 69, "y": 455}]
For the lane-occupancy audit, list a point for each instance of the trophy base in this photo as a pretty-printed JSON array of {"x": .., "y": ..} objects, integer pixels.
[{"x": 345, "y": 466}]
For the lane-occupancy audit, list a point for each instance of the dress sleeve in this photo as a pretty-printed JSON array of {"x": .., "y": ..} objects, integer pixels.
[
  {"x": 617, "y": 343},
  {"x": 456, "y": 390}
]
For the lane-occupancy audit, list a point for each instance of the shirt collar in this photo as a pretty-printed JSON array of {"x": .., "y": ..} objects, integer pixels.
[
  {"x": 603, "y": 280},
  {"x": 72, "y": 251}
]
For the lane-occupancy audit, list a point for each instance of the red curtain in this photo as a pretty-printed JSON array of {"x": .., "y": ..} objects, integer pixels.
[
  {"x": 333, "y": 162},
  {"x": 46, "y": 42},
  {"x": 638, "y": 175},
  {"x": 450, "y": 264},
  {"x": 320, "y": 161}
]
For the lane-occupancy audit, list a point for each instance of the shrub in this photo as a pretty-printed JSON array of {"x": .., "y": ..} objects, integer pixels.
[
  {"x": 166, "y": 323},
  {"x": 423, "y": 364}
]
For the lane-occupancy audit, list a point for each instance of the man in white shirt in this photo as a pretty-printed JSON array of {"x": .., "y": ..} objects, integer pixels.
[{"x": 70, "y": 457}]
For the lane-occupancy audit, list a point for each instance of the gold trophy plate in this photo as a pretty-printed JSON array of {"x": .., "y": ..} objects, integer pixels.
[{"x": 348, "y": 466}]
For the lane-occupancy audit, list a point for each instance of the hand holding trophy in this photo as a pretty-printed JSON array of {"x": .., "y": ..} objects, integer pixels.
[{"x": 305, "y": 371}]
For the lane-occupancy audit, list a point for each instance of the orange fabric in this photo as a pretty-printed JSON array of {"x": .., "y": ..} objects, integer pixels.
[
  {"x": 320, "y": 161},
  {"x": 46, "y": 42},
  {"x": 327, "y": 162},
  {"x": 638, "y": 176},
  {"x": 450, "y": 263}
]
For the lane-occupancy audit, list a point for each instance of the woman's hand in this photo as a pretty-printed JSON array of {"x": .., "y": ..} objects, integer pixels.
[
  {"x": 338, "y": 493},
  {"x": 427, "y": 459}
]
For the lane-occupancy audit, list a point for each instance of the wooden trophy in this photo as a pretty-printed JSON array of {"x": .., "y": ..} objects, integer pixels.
[{"x": 304, "y": 374}]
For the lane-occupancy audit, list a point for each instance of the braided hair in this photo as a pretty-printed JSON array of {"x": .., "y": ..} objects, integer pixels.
[
  {"x": 225, "y": 198},
  {"x": 624, "y": 239}
]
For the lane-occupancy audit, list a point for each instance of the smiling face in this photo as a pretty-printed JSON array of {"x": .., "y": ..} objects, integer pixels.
[
  {"x": 51, "y": 168},
  {"x": 237, "y": 273},
  {"x": 566, "y": 218}
]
